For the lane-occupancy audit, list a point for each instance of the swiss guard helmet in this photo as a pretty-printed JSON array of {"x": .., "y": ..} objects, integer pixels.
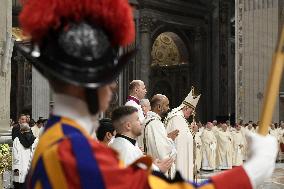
[{"x": 78, "y": 41}]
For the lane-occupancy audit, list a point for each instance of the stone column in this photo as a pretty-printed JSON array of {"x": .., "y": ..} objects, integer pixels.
[
  {"x": 257, "y": 26},
  {"x": 215, "y": 58},
  {"x": 239, "y": 100},
  {"x": 199, "y": 70},
  {"x": 40, "y": 95},
  {"x": 6, "y": 46},
  {"x": 145, "y": 48}
]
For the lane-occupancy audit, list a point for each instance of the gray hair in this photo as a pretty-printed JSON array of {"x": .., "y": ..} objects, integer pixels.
[
  {"x": 25, "y": 127},
  {"x": 144, "y": 102}
]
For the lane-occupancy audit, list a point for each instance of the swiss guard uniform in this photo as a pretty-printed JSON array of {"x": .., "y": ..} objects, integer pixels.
[{"x": 76, "y": 42}]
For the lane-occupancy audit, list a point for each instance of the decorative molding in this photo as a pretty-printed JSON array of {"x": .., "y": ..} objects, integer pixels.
[
  {"x": 223, "y": 57},
  {"x": 239, "y": 59},
  {"x": 146, "y": 24}
]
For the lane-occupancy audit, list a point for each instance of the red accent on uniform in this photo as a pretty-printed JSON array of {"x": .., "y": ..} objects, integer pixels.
[
  {"x": 38, "y": 17},
  {"x": 234, "y": 179},
  {"x": 68, "y": 163}
]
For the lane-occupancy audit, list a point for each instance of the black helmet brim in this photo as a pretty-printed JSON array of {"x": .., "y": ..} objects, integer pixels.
[{"x": 55, "y": 69}]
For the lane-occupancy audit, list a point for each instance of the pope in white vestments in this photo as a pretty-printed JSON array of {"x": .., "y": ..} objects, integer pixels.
[
  {"x": 176, "y": 120},
  {"x": 209, "y": 142}
]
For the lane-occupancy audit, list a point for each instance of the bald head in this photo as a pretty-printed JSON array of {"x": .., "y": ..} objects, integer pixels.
[
  {"x": 160, "y": 104},
  {"x": 157, "y": 100},
  {"x": 137, "y": 89}
]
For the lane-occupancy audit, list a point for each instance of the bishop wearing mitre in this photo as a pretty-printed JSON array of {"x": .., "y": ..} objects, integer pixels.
[{"x": 177, "y": 120}]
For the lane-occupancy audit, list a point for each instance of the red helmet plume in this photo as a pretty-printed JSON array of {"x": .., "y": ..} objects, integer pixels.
[{"x": 38, "y": 17}]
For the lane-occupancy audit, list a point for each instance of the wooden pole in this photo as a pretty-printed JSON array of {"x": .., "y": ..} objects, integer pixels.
[{"x": 272, "y": 88}]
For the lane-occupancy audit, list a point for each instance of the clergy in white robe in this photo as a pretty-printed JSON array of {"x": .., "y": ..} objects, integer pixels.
[
  {"x": 274, "y": 132},
  {"x": 215, "y": 129},
  {"x": 224, "y": 148},
  {"x": 158, "y": 144},
  {"x": 127, "y": 147},
  {"x": 238, "y": 146},
  {"x": 36, "y": 129},
  {"x": 176, "y": 120},
  {"x": 128, "y": 127},
  {"x": 244, "y": 131},
  {"x": 209, "y": 142},
  {"x": 250, "y": 128}
]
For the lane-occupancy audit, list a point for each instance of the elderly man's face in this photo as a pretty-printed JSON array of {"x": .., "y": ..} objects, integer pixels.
[
  {"x": 187, "y": 111},
  {"x": 146, "y": 107},
  {"x": 141, "y": 90}
]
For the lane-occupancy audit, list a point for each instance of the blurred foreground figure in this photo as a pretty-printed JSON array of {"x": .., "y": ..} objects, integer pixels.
[{"x": 75, "y": 45}]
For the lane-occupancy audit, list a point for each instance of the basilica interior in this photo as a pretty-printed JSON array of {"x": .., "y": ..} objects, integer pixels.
[
  {"x": 181, "y": 44},
  {"x": 224, "y": 49}
]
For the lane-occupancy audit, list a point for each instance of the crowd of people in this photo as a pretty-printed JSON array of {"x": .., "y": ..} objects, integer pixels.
[
  {"x": 78, "y": 50},
  {"x": 223, "y": 146},
  {"x": 148, "y": 127},
  {"x": 167, "y": 137}
]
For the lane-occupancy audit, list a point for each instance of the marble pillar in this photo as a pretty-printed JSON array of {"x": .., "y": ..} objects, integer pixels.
[
  {"x": 6, "y": 47},
  {"x": 145, "y": 48},
  {"x": 41, "y": 96},
  {"x": 256, "y": 37}
]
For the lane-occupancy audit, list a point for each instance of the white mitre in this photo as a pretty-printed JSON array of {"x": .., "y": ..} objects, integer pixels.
[{"x": 191, "y": 100}]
